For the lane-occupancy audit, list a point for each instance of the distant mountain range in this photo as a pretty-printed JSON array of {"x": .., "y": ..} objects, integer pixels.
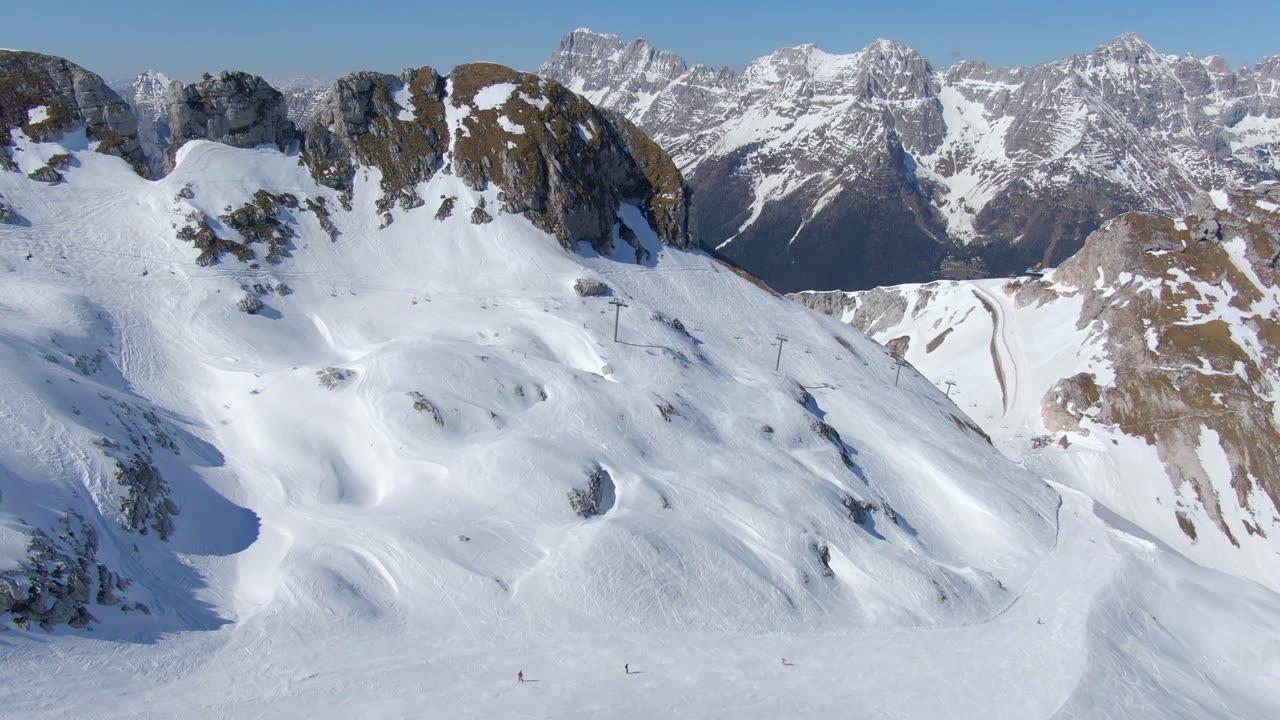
[{"x": 821, "y": 171}]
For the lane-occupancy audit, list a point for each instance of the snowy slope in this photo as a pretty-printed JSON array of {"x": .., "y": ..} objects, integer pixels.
[{"x": 337, "y": 548}]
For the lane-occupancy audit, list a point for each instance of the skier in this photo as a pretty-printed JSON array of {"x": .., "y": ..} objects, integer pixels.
[
  {"x": 520, "y": 676},
  {"x": 627, "y": 668}
]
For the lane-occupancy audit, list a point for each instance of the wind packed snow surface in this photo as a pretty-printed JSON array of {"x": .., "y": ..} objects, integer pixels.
[{"x": 374, "y": 473}]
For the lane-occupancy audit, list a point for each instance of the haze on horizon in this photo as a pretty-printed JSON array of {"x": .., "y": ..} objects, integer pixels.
[{"x": 324, "y": 39}]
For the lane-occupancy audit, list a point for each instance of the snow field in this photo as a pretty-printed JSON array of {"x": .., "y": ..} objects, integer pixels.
[{"x": 340, "y": 549}]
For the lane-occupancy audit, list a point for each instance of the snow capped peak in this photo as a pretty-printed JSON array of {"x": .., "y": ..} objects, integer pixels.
[
  {"x": 1128, "y": 46},
  {"x": 893, "y": 49},
  {"x": 588, "y": 62},
  {"x": 148, "y": 94},
  {"x": 1214, "y": 63},
  {"x": 153, "y": 76},
  {"x": 1269, "y": 67}
]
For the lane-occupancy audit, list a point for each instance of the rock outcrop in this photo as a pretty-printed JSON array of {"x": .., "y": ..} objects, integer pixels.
[
  {"x": 1064, "y": 406},
  {"x": 1194, "y": 337},
  {"x": 233, "y": 108},
  {"x": 591, "y": 287},
  {"x": 395, "y": 124},
  {"x": 597, "y": 499},
  {"x": 8, "y": 216},
  {"x": 60, "y": 579},
  {"x": 555, "y": 158},
  {"x": 47, "y": 97},
  {"x": 46, "y": 174},
  {"x": 146, "y": 505}
]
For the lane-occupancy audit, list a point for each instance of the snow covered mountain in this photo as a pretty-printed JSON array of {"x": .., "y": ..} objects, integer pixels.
[
  {"x": 821, "y": 171},
  {"x": 343, "y": 422},
  {"x": 1153, "y": 352},
  {"x": 147, "y": 94},
  {"x": 304, "y": 97}
]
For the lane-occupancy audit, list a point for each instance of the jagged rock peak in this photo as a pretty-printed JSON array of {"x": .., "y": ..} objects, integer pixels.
[
  {"x": 556, "y": 158},
  {"x": 883, "y": 69},
  {"x": 893, "y": 52},
  {"x": 47, "y": 97},
  {"x": 234, "y": 108},
  {"x": 585, "y": 44},
  {"x": 148, "y": 95},
  {"x": 597, "y": 62}
]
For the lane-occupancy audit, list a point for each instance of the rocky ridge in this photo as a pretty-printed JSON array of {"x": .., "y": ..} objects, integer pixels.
[
  {"x": 1191, "y": 311},
  {"x": 148, "y": 95},
  {"x": 1169, "y": 347},
  {"x": 556, "y": 158},
  {"x": 821, "y": 171},
  {"x": 47, "y": 97}
]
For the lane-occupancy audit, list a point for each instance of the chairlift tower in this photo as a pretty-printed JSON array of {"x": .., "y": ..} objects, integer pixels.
[
  {"x": 899, "y": 362},
  {"x": 617, "y": 314}
]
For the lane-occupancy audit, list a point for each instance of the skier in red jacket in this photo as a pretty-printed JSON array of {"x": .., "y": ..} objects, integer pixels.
[{"x": 520, "y": 676}]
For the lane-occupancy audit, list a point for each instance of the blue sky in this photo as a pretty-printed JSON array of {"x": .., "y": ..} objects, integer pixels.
[{"x": 324, "y": 38}]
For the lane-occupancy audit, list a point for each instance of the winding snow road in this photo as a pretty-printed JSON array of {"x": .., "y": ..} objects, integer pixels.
[{"x": 1001, "y": 355}]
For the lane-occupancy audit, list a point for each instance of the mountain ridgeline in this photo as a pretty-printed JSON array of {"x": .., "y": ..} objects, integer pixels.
[
  {"x": 557, "y": 158},
  {"x": 821, "y": 171}
]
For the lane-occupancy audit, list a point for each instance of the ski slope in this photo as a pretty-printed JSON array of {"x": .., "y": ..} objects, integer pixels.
[{"x": 339, "y": 551}]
